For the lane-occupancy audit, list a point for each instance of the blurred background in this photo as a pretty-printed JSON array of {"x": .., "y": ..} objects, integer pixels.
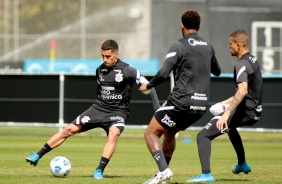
[
  {"x": 144, "y": 29},
  {"x": 39, "y": 39}
]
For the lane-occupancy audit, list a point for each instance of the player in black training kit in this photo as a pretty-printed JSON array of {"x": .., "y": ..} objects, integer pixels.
[
  {"x": 109, "y": 111},
  {"x": 192, "y": 60},
  {"x": 244, "y": 108}
]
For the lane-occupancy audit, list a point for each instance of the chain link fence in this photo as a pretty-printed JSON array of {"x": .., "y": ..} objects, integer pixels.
[{"x": 78, "y": 27}]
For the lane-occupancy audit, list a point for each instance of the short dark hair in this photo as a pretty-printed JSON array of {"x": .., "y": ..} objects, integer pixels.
[
  {"x": 191, "y": 19},
  {"x": 240, "y": 36},
  {"x": 110, "y": 45}
]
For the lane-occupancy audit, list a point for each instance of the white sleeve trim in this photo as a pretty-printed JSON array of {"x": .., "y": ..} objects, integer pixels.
[
  {"x": 241, "y": 71},
  {"x": 171, "y": 54}
]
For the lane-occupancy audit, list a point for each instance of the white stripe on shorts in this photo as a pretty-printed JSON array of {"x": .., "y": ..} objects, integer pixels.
[
  {"x": 216, "y": 117},
  {"x": 165, "y": 108},
  {"x": 119, "y": 124},
  {"x": 77, "y": 120}
]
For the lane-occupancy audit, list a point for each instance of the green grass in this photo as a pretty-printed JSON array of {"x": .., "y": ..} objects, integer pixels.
[{"x": 132, "y": 162}]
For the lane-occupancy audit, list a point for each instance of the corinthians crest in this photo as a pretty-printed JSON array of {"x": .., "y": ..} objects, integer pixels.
[{"x": 119, "y": 77}]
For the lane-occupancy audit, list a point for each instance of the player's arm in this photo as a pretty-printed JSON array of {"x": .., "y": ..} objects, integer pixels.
[
  {"x": 242, "y": 69},
  {"x": 133, "y": 74},
  {"x": 236, "y": 100},
  {"x": 98, "y": 81},
  {"x": 215, "y": 68},
  {"x": 227, "y": 101},
  {"x": 238, "y": 97},
  {"x": 152, "y": 92}
]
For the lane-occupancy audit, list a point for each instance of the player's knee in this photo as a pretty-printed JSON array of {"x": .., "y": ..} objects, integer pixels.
[
  {"x": 66, "y": 132},
  {"x": 70, "y": 130},
  {"x": 114, "y": 133},
  {"x": 113, "y": 137},
  {"x": 201, "y": 135}
]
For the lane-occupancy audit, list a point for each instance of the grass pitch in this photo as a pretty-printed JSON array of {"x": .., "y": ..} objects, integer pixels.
[{"x": 132, "y": 162}]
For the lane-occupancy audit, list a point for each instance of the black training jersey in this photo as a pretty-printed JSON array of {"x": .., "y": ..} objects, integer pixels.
[
  {"x": 192, "y": 60},
  {"x": 247, "y": 69},
  {"x": 115, "y": 85}
]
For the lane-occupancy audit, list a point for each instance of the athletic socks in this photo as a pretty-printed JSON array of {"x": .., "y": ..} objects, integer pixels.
[
  {"x": 45, "y": 149},
  {"x": 237, "y": 143},
  {"x": 103, "y": 163},
  {"x": 167, "y": 159},
  {"x": 160, "y": 160}
]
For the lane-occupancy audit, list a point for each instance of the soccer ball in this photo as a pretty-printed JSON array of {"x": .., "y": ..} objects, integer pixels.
[{"x": 60, "y": 166}]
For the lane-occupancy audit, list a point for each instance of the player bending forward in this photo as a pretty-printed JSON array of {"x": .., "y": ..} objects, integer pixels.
[{"x": 109, "y": 111}]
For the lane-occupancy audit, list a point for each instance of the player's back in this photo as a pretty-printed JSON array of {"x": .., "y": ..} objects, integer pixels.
[{"x": 192, "y": 74}]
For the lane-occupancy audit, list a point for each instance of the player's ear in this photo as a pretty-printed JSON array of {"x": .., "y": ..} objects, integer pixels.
[{"x": 116, "y": 54}]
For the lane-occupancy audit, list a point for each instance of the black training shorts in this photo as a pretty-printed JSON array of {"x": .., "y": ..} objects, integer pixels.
[
  {"x": 170, "y": 117},
  {"x": 98, "y": 117}
]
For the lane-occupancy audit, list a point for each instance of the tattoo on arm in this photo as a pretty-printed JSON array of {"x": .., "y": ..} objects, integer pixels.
[{"x": 237, "y": 99}]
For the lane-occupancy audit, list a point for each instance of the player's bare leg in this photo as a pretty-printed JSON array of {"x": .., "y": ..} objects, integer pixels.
[
  {"x": 152, "y": 136},
  {"x": 108, "y": 151},
  {"x": 60, "y": 137},
  {"x": 169, "y": 144},
  {"x": 55, "y": 141}
]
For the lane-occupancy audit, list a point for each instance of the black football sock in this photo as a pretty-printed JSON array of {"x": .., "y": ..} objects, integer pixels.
[
  {"x": 237, "y": 143},
  {"x": 204, "y": 151},
  {"x": 103, "y": 163},
  {"x": 45, "y": 149},
  {"x": 167, "y": 159},
  {"x": 160, "y": 160}
]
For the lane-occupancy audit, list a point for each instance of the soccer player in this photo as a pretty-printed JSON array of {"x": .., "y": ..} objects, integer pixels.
[
  {"x": 244, "y": 108},
  {"x": 109, "y": 111},
  {"x": 192, "y": 60}
]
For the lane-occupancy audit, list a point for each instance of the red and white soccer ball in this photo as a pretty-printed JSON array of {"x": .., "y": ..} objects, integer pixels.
[{"x": 60, "y": 166}]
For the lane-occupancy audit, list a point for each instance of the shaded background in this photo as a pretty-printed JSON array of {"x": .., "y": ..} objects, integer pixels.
[
  {"x": 35, "y": 98},
  {"x": 144, "y": 29}
]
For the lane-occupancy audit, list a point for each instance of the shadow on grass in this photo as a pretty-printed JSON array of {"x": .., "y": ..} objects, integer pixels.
[
  {"x": 233, "y": 180},
  {"x": 106, "y": 176},
  {"x": 217, "y": 180}
]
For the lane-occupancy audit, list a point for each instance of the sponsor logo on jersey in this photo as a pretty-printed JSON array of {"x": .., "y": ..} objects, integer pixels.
[
  {"x": 199, "y": 96},
  {"x": 119, "y": 77},
  {"x": 197, "y": 108},
  {"x": 104, "y": 70},
  {"x": 253, "y": 59},
  {"x": 259, "y": 108},
  {"x": 106, "y": 95},
  {"x": 101, "y": 78},
  {"x": 117, "y": 119},
  {"x": 105, "y": 92},
  {"x": 108, "y": 87},
  {"x": 194, "y": 42},
  {"x": 167, "y": 120}
]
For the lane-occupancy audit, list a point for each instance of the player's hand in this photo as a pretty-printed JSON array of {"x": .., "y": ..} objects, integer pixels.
[
  {"x": 143, "y": 88},
  {"x": 222, "y": 122}
]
